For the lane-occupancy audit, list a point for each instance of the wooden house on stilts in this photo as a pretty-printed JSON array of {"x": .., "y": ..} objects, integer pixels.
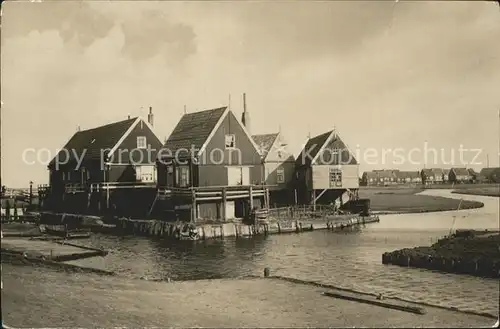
[
  {"x": 326, "y": 171},
  {"x": 108, "y": 169},
  {"x": 278, "y": 168},
  {"x": 209, "y": 168}
]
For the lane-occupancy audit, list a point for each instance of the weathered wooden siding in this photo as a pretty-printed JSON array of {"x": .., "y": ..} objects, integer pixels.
[
  {"x": 321, "y": 176},
  {"x": 211, "y": 175},
  {"x": 244, "y": 152},
  {"x": 129, "y": 151},
  {"x": 271, "y": 173}
]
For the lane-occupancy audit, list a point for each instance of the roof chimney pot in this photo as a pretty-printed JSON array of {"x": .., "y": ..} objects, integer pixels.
[
  {"x": 245, "y": 117},
  {"x": 151, "y": 116}
]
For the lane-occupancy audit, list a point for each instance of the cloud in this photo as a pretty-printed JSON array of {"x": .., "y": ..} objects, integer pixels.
[
  {"x": 153, "y": 33},
  {"x": 302, "y": 29},
  {"x": 73, "y": 20}
]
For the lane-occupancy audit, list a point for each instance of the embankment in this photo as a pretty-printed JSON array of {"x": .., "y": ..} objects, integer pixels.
[
  {"x": 466, "y": 252},
  {"x": 401, "y": 200},
  {"x": 33, "y": 297}
]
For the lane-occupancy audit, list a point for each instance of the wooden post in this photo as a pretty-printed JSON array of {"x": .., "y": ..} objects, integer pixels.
[
  {"x": 194, "y": 213},
  {"x": 107, "y": 197},
  {"x": 296, "y": 199},
  {"x": 224, "y": 204},
  {"x": 267, "y": 198},
  {"x": 250, "y": 192},
  {"x": 314, "y": 199}
]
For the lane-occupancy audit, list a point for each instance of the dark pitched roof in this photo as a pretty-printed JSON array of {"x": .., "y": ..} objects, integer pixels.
[
  {"x": 89, "y": 143},
  {"x": 312, "y": 147},
  {"x": 486, "y": 172},
  {"x": 193, "y": 130},
  {"x": 407, "y": 174},
  {"x": 461, "y": 171},
  {"x": 265, "y": 142},
  {"x": 333, "y": 145}
]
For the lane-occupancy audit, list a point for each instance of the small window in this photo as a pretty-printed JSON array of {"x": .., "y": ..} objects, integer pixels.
[
  {"x": 170, "y": 169},
  {"x": 141, "y": 142},
  {"x": 69, "y": 175},
  {"x": 63, "y": 176},
  {"x": 280, "y": 174},
  {"x": 230, "y": 141},
  {"x": 182, "y": 176},
  {"x": 335, "y": 177}
]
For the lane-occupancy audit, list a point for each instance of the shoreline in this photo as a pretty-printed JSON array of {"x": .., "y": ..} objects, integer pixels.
[
  {"x": 243, "y": 293},
  {"x": 466, "y": 252}
]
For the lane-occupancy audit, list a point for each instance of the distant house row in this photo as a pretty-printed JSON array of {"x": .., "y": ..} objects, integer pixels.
[{"x": 428, "y": 176}]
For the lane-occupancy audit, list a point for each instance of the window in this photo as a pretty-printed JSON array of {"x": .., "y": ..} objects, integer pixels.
[
  {"x": 280, "y": 174},
  {"x": 170, "y": 169},
  {"x": 69, "y": 175},
  {"x": 63, "y": 176},
  {"x": 141, "y": 142},
  {"x": 335, "y": 177},
  {"x": 230, "y": 141},
  {"x": 145, "y": 173},
  {"x": 182, "y": 176}
]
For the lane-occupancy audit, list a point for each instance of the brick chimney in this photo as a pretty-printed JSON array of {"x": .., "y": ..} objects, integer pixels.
[
  {"x": 245, "y": 117},
  {"x": 150, "y": 116}
]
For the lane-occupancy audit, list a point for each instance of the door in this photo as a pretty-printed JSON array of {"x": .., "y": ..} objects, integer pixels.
[
  {"x": 234, "y": 176},
  {"x": 245, "y": 175},
  {"x": 238, "y": 176}
]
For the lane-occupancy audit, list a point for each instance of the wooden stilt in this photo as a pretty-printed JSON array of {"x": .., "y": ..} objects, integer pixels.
[
  {"x": 314, "y": 199},
  {"x": 194, "y": 214},
  {"x": 250, "y": 193},
  {"x": 224, "y": 204},
  {"x": 107, "y": 198},
  {"x": 267, "y": 201}
]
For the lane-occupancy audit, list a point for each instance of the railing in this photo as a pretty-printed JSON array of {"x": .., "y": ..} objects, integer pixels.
[
  {"x": 75, "y": 188},
  {"x": 207, "y": 193},
  {"x": 95, "y": 187}
]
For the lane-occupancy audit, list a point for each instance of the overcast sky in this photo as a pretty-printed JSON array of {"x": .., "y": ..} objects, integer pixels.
[{"x": 386, "y": 75}]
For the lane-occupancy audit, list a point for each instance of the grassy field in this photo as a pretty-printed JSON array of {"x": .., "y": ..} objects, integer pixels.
[
  {"x": 406, "y": 200},
  {"x": 41, "y": 297},
  {"x": 493, "y": 191}
]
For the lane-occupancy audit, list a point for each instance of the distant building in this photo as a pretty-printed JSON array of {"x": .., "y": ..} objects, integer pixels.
[
  {"x": 382, "y": 177},
  {"x": 460, "y": 175},
  {"x": 489, "y": 175},
  {"x": 434, "y": 175},
  {"x": 408, "y": 177}
]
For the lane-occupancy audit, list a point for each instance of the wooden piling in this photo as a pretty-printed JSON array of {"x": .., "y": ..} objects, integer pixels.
[
  {"x": 250, "y": 192},
  {"x": 224, "y": 204},
  {"x": 194, "y": 214}
]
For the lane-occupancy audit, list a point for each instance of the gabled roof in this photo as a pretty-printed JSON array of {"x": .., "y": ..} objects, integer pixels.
[
  {"x": 434, "y": 172},
  {"x": 90, "y": 143},
  {"x": 195, "y": 130},
  {"x": 408, "y": 174},
  {"x": 265, "y": 142},
  {"x": 317, "y": 146},
  {"x": 461, "y": 171},
  {"x": 487, "y": 172}
]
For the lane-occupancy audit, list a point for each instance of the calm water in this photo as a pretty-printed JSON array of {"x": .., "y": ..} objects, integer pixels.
[{"x": 347, "y": 259}]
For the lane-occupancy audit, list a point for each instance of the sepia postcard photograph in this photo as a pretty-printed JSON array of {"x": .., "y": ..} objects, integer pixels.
[{"x": 250, "y": 164}]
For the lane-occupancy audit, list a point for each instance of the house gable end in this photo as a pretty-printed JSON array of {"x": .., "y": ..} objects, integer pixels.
[{"x": 215, "y": 152}]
